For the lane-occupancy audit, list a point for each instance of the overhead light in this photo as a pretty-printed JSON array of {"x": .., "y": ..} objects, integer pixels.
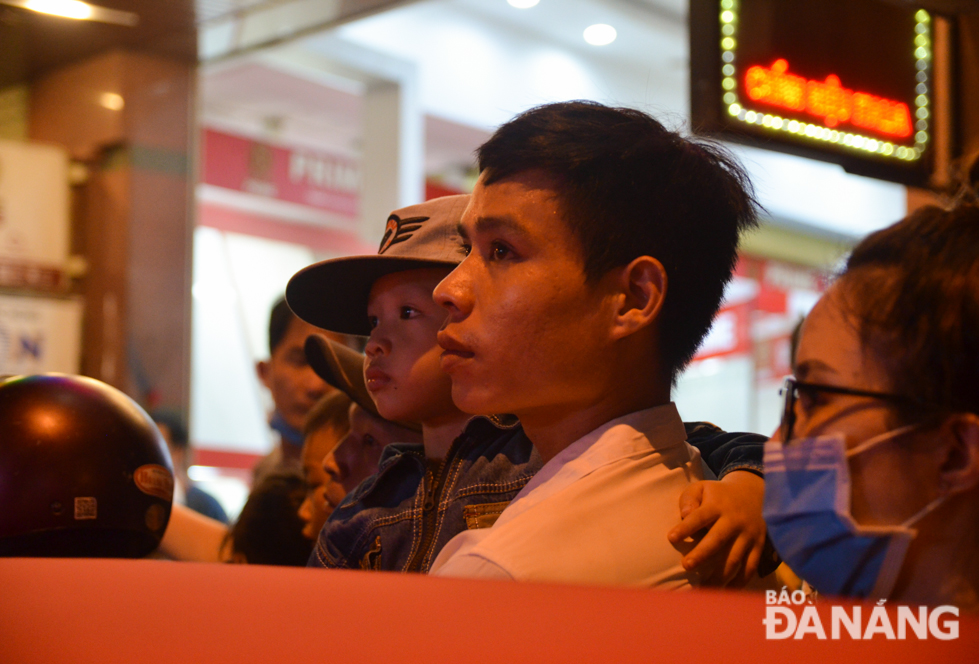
[
  {"x": 75, "y": 9},
  {"x": 64, "y": 8},
  {"x": 600, "y": 34},
  {"x": 523, "y": 4},
  {"x": 112, "y": 101}
]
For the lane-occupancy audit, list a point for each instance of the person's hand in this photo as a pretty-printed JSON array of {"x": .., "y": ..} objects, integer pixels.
[{"x": 730, "y": 512}]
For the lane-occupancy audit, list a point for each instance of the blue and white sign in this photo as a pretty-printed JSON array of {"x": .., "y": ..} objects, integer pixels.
[{"x": 39, "y": 334}]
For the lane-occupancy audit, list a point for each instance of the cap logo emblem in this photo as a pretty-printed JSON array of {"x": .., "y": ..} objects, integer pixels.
[{"x": 398, "y": 230}]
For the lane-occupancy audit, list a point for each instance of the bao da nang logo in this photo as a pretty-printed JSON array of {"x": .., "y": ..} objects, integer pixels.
[{"x": 793, "y": 616}]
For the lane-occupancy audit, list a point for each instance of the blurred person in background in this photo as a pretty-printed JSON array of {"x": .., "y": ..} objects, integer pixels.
[
  {"x": 872, "y": 482},
  {"x": 294, "y": 387},
  {"x": 269, "y": 530},
  {"x": 358, "y": 454},
  {"x": 326, "y": 425},
  {"x": 185, "y": 492},
  {"x": 342, "y": 447},
  {"x": 333, "y": 469}
]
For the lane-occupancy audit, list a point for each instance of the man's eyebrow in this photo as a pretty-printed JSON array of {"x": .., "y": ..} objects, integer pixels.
[
  {"x": 506, "y": 223},
  {"x": 491, "y": 224}
]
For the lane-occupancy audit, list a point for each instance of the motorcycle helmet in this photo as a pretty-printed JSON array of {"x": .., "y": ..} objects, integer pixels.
[{"x": 84, "y": 472}]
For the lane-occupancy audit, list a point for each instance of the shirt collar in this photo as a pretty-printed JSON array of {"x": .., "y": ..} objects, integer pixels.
[{"x": 656, "y": 428}]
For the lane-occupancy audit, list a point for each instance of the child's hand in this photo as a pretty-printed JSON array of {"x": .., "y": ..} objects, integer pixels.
[{"x": 729, "y": 552}]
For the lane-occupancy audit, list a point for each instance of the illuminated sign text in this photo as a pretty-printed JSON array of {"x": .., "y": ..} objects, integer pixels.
[{"x": 827, "y": 99}]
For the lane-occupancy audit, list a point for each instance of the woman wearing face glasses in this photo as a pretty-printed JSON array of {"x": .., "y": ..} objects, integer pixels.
[{"x": 872, "y": 483}]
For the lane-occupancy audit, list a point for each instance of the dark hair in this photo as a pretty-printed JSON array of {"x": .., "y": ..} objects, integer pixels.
[
  {"x": 794, "y": 342},
  {"x": 913, "y": 291},
  {"x": 175, "y": 423},
  {"x": 331, "y": 410},
  {"x": 629, "y": 187},
  {"x": 269, "y": 530},
  {"x": 280, "y": 319}
]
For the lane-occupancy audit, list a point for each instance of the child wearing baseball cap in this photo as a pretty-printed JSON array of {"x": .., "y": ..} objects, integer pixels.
[
  {"x": 467, "y": 469},
  {"x": 388, "y": 297}
]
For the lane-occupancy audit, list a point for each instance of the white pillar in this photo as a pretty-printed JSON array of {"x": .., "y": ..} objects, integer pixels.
[
  {"x": 392, "y": 166},
  {"x": 393, "y": 161}
]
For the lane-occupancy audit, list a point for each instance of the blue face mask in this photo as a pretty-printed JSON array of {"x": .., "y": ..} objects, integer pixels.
[
  {"x": 807, "y": 510},
  {"x": 288, "y": 433}
]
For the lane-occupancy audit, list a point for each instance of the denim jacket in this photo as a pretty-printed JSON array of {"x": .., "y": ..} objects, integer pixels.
[{"x": 401, "y": 517}]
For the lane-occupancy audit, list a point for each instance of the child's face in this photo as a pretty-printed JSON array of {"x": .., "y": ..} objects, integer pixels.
[
  {"x": 402, "y": 365},
  {"x": 321, "y": 492},
  {"x": 356, "y": 457}
]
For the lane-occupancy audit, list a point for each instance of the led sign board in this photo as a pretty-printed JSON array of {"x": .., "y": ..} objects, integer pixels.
[{"x": 847, "y": 81}]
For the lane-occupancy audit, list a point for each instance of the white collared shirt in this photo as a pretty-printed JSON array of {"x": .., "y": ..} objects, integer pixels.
[{"x": 597, "y": 513}]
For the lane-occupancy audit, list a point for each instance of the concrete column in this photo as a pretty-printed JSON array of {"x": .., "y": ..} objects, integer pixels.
[
  {"x": 127, "y": 117},
  {"x": 392, "y": 162},
  {"x": 393, "y": 124}
]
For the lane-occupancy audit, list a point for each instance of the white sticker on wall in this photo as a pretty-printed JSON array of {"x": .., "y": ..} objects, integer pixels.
[{"x": 39, "y": 335}]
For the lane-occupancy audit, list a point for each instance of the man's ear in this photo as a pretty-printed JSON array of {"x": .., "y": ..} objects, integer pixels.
[
  {"x": 641, "y": 290},
  {"x": 262, "y": 370},
  {"x": 960, "y": 467}
]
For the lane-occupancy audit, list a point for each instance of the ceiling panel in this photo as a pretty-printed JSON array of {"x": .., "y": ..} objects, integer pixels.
[
  {"x": 266, "y": 101},
  {"x": 32, "y": 43}
]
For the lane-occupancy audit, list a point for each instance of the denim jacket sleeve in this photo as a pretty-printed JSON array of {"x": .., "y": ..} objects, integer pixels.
[{"x": 725, "y": 451}]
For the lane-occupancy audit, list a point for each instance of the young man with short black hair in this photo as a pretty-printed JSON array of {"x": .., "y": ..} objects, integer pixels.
[{"x": 600, "y": 246}]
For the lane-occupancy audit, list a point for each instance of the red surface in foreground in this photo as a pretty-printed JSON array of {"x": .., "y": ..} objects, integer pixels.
[{"x": 155, "y": 611}]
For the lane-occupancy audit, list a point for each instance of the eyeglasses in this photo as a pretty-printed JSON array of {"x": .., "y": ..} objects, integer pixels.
[{"x": 792, "y": 387}]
